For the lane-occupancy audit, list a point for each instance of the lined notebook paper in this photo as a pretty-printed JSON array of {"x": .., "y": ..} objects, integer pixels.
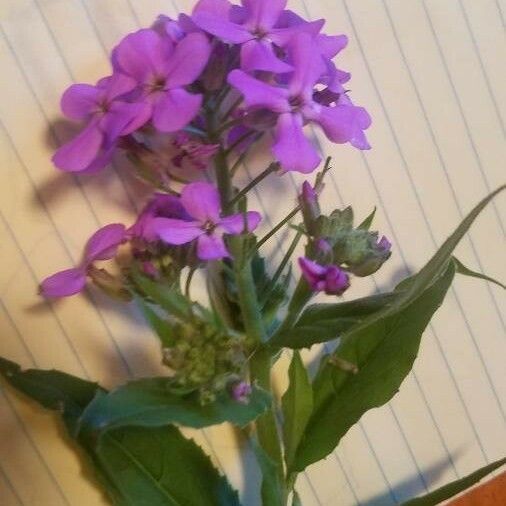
[{"x": 432, "y": 73}]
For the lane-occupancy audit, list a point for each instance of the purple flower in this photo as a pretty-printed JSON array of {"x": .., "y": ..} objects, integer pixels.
[
  {"x": 195, "y": 152},
  {"x": 161, "y": 69},
  {"x": 108, "y": 117},
  {"x": 102, "y": 245},
  {"x": 202, "y": 203},
  {"x": 241, "y": 391},
  {"x": 329, "y": 278},
  {"x": 257, "y": 25},
  {"x": 296, "y": 106},
  {"x": 160, "y": 206}
]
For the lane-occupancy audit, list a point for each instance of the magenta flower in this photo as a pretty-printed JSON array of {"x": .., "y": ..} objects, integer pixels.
[
  {"x": 241, "y": 392},
  {"x": 108, "y": 117},
  {"x": 102, "y": 245},
  {"x": 259, "y": 26},
  {"x": 202, "y": 203},
  {"x": 295, "y": 105},
  {"x": 190, "y": 149},
  {"x": 160, "y": 206},
  {"x": 161, "y": 70},
  {"x": 329, "y": 278}
]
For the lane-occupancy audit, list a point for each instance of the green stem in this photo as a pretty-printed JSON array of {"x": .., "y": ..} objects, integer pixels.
[
  {"x": 261, "y": 361},
  {"x": 269, "y": 170},
  {"x": 278, "y": 227}
]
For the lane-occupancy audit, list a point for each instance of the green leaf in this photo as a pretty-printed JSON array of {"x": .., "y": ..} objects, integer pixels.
[
  {"x": 462, "y": 269},
  {"x": 454, "y": 488},
  {"x": 150, "y": 403},
  {"x": 366, "y": 224},
  {"x": 163, "y": 328},
  {"x": 54, "y": 390},
  {"x": 296, "y": 499},
  {"x": 136, "y": 466},
  {"x": 320, "y": 323},
  {"x": 166, "y": 296},
  {"x": 159, "y": 467},
  {"x": 384, "y": 352},
  {"x": 272, "y": 488},
  {"x": 297, "y": 405}
]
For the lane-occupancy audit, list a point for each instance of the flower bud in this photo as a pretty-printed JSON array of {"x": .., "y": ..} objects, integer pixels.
[
  {"x": 364, "y": 254},
  {"x": 240, "y": 392},
  {"x": 329, "y": 279},
  {"x": 308, "y": 200}
]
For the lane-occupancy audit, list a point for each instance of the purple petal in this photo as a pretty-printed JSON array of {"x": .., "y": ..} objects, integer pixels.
[
  {"x": 211, "y": 247},
  {"x": 308, "y": 65},
  {"x": 202, "y": 202},
  {"x": 259, "y": 94},
  {"x": 143, "y": 53},
  {"x": 312, "y": 272},
  {"x": 235, "y": 224},
  {"x": 79, "y": 153},
  {"x": 79, "y": 101},
  {"x": 292, "y": 149},
  {"x": 221, "y": 28},
  {"x": 259, "y": 55},
  {"x": 124, "y": 118},
  {"x": 188, "y": 60},
  {"x": 175, "y": 109},
  {"x": 104, "y": 243},
  {"x": 176, "y": 232},
  {"x": 220, "y": 8},
  {"x": 64, "y": 283},
  {"x": 264, "y": 14},
  {"x": 331, "y": 46},
  {"x": 117, "y": 85},
  {"x": 344, "y": 124}
]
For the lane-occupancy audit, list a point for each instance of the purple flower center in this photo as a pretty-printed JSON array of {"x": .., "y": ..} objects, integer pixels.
[
  {"x": 209, "y": 227},
  {"x": 296, "y": 102},
  {"x": 158, "y": 83}
]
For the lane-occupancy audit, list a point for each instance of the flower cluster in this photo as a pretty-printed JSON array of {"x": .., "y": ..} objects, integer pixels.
[
  {"x": 185, "y": 98},
  {"x": 166, "y": 78}
]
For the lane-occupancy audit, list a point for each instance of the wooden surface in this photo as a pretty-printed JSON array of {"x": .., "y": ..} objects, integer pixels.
[
  {"x": 432, "y": 74},
  {"x": 492, "y": 493}
]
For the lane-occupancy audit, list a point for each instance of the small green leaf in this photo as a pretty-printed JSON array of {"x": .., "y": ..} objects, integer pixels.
[
  {"x": 163, "y": 328},
  {"x": 150, "y": 403},
  {"x": 462, "y": 269},
  {"x": 272, "y": 488},
  {"x": 454, "y": 488},
  {"x": 167, "y": 297},
  {"x": 366, "y": 224},
  {"x": 384, "y": 352},
  {"x": 320, "y": 323},
  {"x": 297, "y": 405}
]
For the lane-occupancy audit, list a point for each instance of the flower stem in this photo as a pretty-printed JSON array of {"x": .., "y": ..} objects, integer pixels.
[
  {"x": 261, "y": 361},
  {"x": 269, "y": 170},
  {"x": 278, "y": 227}
]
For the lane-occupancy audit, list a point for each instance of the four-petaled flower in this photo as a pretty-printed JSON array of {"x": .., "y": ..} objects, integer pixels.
[
  {"x": 324, "y": 278},
  {"x": 296, "y": 106},
  {"x": 202, "y": 203},
  {"x": 258, "y": 25},
  {"x": 102, "y": 245},
  {"x": 161, "y": 70},
  {"x": 108, "y": 117}
]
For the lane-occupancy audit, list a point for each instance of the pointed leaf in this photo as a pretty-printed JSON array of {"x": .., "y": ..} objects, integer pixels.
[
  {"x": 297, "y": 405},
  {"x": 462, "y": 269},
  {"x": 366, "y": 224},
  {"x": 456, "y": 487},
  {"x": 150, "y": 403},
  {"x": 384, "y": 352},
  {"x": 320, "y": 323},
  {"x": 272, "y": 488}
]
